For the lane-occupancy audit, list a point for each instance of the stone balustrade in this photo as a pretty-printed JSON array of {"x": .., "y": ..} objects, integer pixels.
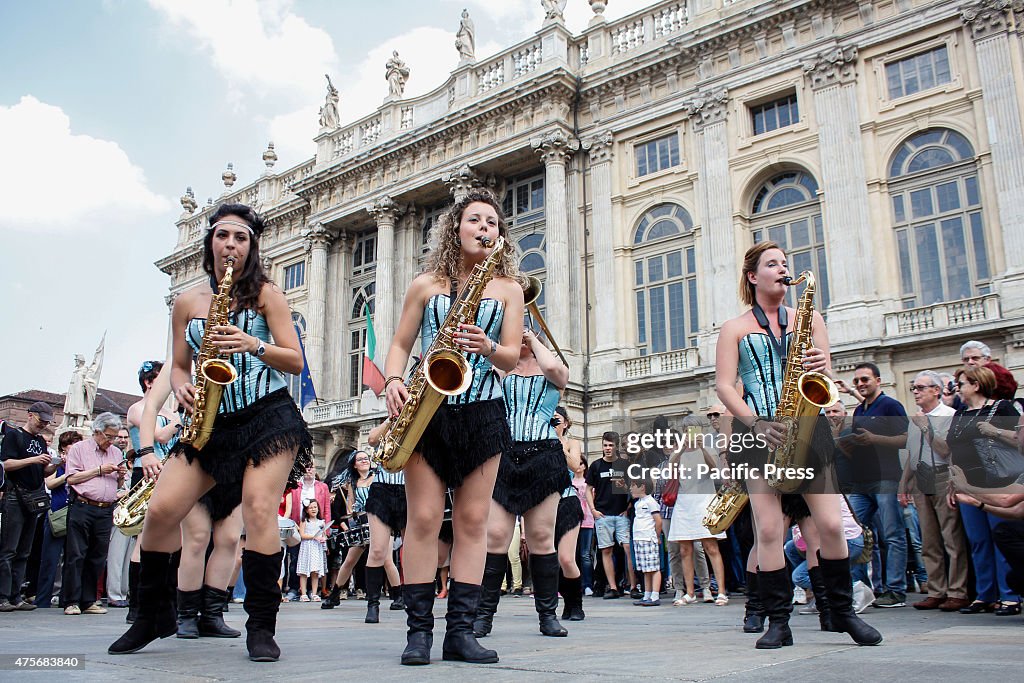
[
  {"x": 658, "y": 364},
  {"x": 962, "y": 313}
]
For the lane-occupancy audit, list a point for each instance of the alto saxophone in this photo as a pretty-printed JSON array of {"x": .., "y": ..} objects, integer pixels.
[
  {"x": 213, "y": 373},
  {"x": 725, "y": 507},
  {"x": 444, "y": 370},
  {"x": 803, "y": 396},
  {"x": 130, "y": 513}
]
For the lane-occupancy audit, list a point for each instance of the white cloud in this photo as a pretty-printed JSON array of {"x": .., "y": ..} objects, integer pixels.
[
  {"x": 56, "y": 180},
  {"x": 262, "y": 47}
]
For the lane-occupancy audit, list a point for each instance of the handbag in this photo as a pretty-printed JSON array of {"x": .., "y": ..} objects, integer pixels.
[
  {"x": 33, "y": 502},
  {"x": 670, "y": 493},
  {"x": 59, "y": 522},
  {"x": 869, "y": 537},
  {"x": 1003, "y": 464},
  {"x": 924, "y": 473}
]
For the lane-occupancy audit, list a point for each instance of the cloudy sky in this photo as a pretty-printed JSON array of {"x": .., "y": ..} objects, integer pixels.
[{"x": 110, "y": 108}]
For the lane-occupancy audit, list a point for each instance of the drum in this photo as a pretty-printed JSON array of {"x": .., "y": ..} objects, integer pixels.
[
  {"x": 358, "y": 533},
  {"x": 289, "y": 532}
]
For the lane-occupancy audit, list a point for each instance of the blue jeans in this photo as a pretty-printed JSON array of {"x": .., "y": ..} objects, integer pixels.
[
  {"x": 585, "y": 543},
  {"x": 802, "y": 576},
  {"x": 894, "y": 536},
  {"x": 913, "y": 526},
  {"x": 49, "y": 558},
  {"x": 990, "y": 567}
]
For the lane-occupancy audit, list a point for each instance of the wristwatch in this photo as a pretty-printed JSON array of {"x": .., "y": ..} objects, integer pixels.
[
  {"x": 261, "y": 349},
  {"x": 494, "y": 348}
]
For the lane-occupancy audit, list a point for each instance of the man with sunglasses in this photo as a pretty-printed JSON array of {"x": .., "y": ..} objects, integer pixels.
[
  {"x": 26, "y": 462},
  {"x": 879, "y": 432}
]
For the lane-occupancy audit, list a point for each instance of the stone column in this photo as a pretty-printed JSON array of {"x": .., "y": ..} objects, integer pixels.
[
  {"x": 607, "y": 303},
  {"x": 855, "y": 312},
  {"x": 708, "y": 115},
  {"x": 461, "y": 181},
  {"x": 317, "y": 240},
  {"x": 989, "y": 22},
  {"x": 385, "y": 211},
  {"x": 554, "y": 149},
  {"x": 336, "y": 339}
]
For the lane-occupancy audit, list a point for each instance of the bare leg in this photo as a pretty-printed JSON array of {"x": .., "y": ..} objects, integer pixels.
[
  {"x": 609, "y": 567},
  {"x": 567, "y": 554},
  {"x": 469, "y": 522},
  {"x": 174, "y": 496},
  {"x": 686, "y": 555},
  {"x": 766, "y": 506},
  {"x": 714, "y": 554},
  {"x": 226, "y": 536},
  {"x": 302, "y": 586},
  {"x": 195, "y": 537},
  {"x": 500, "y": 525},
  {"x": 425, "y": 495},
  {"x": 261, "y": 492},
  {"x": 828, "y": 520},
  {"x": 539, "y": 526}
]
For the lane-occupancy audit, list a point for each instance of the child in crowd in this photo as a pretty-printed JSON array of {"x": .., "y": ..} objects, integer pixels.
[
  {"x": 646, "y": 532},
  {"x": 312, "y": 559}
]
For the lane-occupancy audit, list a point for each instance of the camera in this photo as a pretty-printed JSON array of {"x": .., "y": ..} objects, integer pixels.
[{"x": 55, "y": 458}]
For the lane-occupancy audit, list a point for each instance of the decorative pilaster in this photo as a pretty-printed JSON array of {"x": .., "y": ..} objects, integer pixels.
[
  {"x": 990, "y": 22},
  {"x": 554, "y": 149},
  {"x": 832, "y": 76},
  {"x": 600, "y": 150},
  {"x": 317, "y": 241},
  {"x": 386, "y": 212},
  {"x": 708, "y": 115},
  {"x": 461, "y": 181}
]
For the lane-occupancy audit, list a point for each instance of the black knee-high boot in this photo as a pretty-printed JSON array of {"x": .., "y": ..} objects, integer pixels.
[
  {"x": 544, "y": 570},
  {"x": 211, "y": 619},
  {"x": 821, "y": 601},
  {"x": 753, "y": 617},
  {"x": 133, "y": 592},
  {"x": 374, "y": 581},
  {"x": 333, "y": 599},
  {"x": 397, "y": 602},
  {"x": 228, "y": 595},
  {"x": 188, "y": 613},
  {"x": 490, "y": 593},
  {"x": 262, "y": 600},
  {"x": 459, "y": 642},
  {"x": 777, "y": 597},
  {"x": 839, "y": 586},
  {"x": 156, "y": 615},
  {"x": 572, "y": 595},
  {"x": 419, "y": 610}
]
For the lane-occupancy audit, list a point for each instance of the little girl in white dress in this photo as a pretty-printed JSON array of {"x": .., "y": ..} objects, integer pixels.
[{"x": 312, "y": 554}]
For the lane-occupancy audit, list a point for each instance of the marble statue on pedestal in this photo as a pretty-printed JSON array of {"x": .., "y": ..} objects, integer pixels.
[
  {"x": 329, "y": 112},
  {"x": 553, "y": 8},
  {"x": 465, "y": 39},
  {"x": 81, "y": 396},
  {"x": 397, "y": 74}
]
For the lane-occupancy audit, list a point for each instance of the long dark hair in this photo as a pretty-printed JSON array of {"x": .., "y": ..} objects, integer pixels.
[{"x": 249, "y": 283}]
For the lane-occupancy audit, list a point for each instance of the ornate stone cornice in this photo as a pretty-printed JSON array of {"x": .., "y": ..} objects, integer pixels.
[
  {"x": 170, "y": 299},
  {"x": 555, "y": 146},
  {"x": 599, "y": 146},
  {"x": 835, "y": 66},
  {"x": 385, "y": 210},
  {"x": 987, "y": 18},
  {"x": 317, "y": 237},
  {"x": 708, "y": 108}
]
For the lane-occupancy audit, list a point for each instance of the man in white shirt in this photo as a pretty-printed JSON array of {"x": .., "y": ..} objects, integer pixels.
[{"x": 941, "y": 527}]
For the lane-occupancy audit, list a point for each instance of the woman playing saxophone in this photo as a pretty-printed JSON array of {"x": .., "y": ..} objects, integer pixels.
[
  {"x": 254, "y": 445},
  {"x": 462, "y": 442},
  {"x": 753, "y": 347}
]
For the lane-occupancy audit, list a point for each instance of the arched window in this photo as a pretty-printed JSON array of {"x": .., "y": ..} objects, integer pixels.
[
  {"x": 665, "y": 280},
  {"x": 787, "y": 210},
  {"x": 937, "y": 216},
  {"x": 363, "y": 300},
  {"x": 534, "y": 262}
]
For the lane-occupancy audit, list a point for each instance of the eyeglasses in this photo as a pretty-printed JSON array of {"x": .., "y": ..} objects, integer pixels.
[
  {"x": 861, "y": 380},
  {"x": 714, "y": 416},
  {"x": 922, "y": 387},
  {"x": 109, "y": 437}
]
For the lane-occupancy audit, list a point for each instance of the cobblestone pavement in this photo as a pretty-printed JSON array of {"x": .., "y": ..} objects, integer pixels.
[{"x": 617, "y": 641}]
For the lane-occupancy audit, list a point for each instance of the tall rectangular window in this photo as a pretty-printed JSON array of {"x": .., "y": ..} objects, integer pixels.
[
  {"x": 775, "y": 114},
  {"x": 657, "y": 155},
  {"x": 918, "y": 72},
  {"x": 295, "y": 275}
]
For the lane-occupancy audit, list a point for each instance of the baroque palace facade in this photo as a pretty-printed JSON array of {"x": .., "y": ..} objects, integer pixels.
[{"x": 879, "y": 140}]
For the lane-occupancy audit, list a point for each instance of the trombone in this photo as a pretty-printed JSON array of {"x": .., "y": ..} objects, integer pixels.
[{"x": 531, "y": 292}]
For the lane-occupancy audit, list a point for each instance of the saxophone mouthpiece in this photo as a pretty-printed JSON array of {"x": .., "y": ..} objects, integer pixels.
[
  {"x": 485, "y": 241},
  {"x": 788, "y": 281}
]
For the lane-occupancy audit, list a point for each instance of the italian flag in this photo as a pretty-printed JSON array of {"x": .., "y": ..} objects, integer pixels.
[{"x": 373, "y": 378}]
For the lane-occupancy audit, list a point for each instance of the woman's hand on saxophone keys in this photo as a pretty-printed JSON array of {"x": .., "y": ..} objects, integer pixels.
[
  {"x": 230, "y": 339},
  {"x": 396, "y": 395},
  {"x": 151, "y": 466},
  {"x": 773, "y": 432},
  {"x": 815, "y": 360},
  {"x": 472, "y": 339},
  {"x": 185, "y": 394}
]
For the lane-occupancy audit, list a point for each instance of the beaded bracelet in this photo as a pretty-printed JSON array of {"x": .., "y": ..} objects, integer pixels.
[
  {"x": 389, "y": 380},
  {"x": 145, "y": 450}
]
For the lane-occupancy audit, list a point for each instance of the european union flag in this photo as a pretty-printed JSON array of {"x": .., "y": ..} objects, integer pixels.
[{"x": 307, "y": 394}]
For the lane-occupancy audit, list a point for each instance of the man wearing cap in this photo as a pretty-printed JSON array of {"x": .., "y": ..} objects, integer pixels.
[{"x": 26, "y": 462}]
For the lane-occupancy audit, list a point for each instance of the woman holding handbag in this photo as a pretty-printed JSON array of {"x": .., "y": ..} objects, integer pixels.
[
  {"x": 55, "y": 523},
  {"x": 978, "y": 418}
]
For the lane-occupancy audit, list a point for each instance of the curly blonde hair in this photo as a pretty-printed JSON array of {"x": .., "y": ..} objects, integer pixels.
[{"x": 444, "y": 259}]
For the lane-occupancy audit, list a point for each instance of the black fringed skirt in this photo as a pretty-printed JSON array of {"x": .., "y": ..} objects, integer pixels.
[
  {"x": 262, "y": 430},
  {"x": 462, "y": 437},
  {"x": 387, "y": 503},
  {"x": 570, "y": 516},
  {"x": 530, "y": 472}
]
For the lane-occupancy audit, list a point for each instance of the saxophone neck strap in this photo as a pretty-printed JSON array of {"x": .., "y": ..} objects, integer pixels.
[{"x": 762, "y": 320}]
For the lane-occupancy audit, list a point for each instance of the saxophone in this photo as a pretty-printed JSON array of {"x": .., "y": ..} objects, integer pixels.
[
  {"x": 803, "y": 396},
  {"x": 444, "y": 370},
  {"x": 725, "y": 507},
  {"x": 212, "y": 371},
  {"x": 130, "y": 513}
]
